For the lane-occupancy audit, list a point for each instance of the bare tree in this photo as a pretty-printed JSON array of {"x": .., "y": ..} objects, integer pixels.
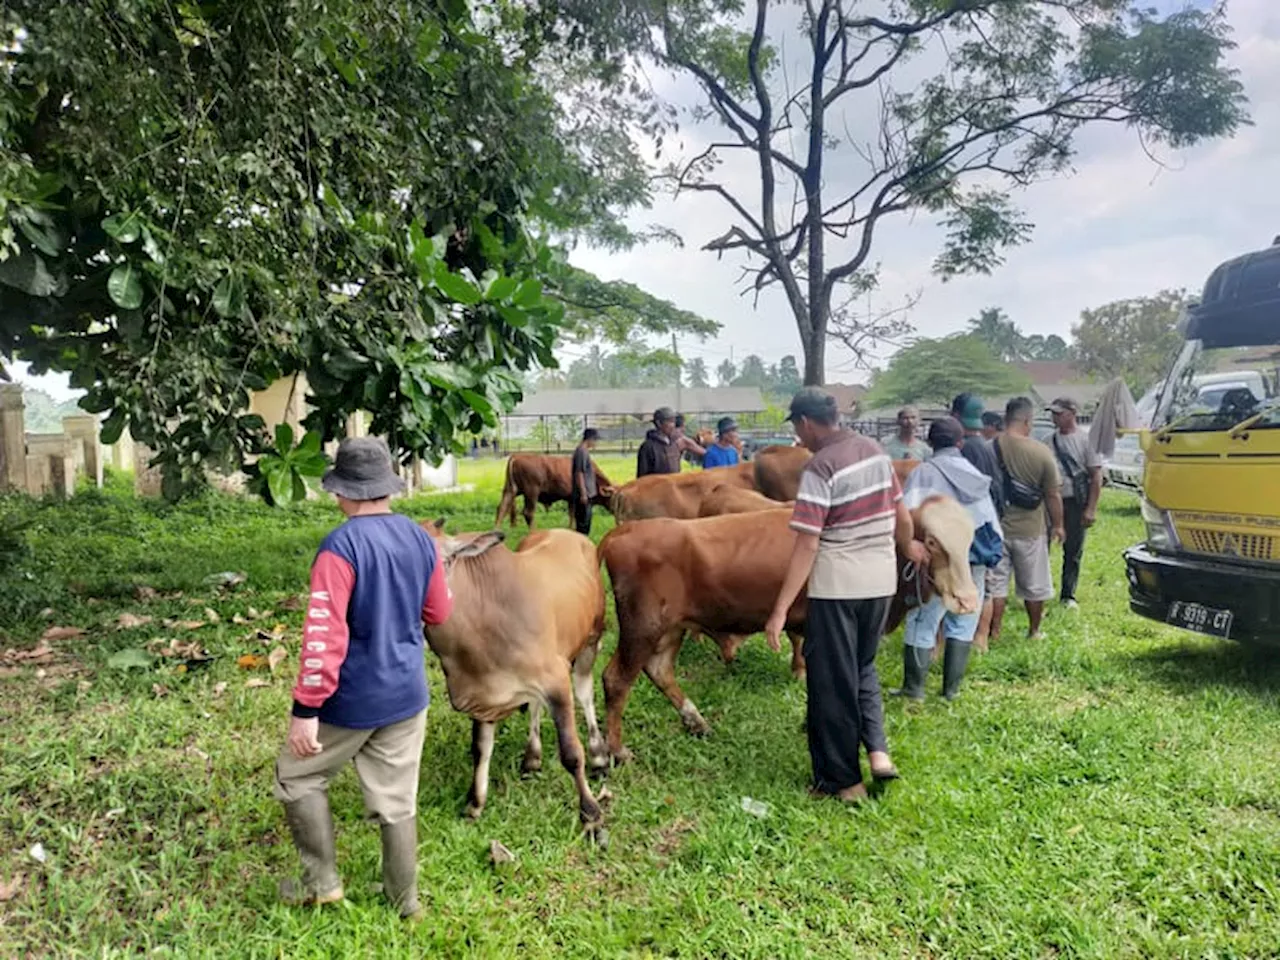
[{"x": 1015, "y": 81}]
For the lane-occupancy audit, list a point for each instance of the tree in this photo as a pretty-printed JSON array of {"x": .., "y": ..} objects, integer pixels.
[
  {"x": 43, "y": 414},
  {"x": 199, "y": 199},
  {"x": 1039, "y": 347},
  {"x": 726, "y": 372},
  {"x": 994, "y": 328},
  {"x": 788, "y": 377},
  {"x": 1133, "y": 339},
  {"x": 696, "y": 372},
  {"x": 933, "y": 371},
  {"x": 752, "y": 373},
  {"x": 966, "y": 101}
]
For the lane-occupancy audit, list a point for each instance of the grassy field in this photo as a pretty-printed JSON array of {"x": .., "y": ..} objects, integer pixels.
[{"x": 1108, "y": 792}]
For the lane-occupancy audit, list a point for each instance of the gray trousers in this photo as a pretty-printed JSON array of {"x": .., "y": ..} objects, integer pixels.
[
  {"x": 387, "y": 760},
  {"x": 845, "y": 708}
]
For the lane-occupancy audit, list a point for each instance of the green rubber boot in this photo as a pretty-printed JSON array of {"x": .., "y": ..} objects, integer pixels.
[
  {"x": 954, "y": 663},
  {"x": 311, "y": 826},
  {"x": 400, "y": 866},
  {"x": 915, "y": 668}
]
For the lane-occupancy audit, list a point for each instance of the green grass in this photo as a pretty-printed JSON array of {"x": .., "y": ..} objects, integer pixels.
[{"x": 1109, "y": 792}]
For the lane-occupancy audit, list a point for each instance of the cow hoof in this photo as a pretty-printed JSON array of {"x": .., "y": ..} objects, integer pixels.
[
  {"x": 598, "y": 834},
  {"x": 598, "y": 764},
  {"x": 698, "y": 727},
  {"x": 472, "y": 812},
  {"x": 623, "y": 755},
  {"x": 530, "y": 766}
]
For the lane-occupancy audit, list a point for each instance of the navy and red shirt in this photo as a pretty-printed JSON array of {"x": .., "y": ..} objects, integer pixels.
[{"x": 374, "y": 582}]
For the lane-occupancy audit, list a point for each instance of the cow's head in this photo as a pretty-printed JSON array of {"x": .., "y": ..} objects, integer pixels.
[
  {"x": 453, "y": 548},
  {"x": 946, "y": 529}
]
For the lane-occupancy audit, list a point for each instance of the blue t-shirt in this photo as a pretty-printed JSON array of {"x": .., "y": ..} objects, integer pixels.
[
  {"x": 363, "y": 657},
  {"x": 718, "y": 456}
]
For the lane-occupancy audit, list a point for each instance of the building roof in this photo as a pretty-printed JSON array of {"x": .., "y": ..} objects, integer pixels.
[
  {"x": 638, "y": 402},
  {"x": 1051, "y": 371},
  {"x": 847, "y": 394}
]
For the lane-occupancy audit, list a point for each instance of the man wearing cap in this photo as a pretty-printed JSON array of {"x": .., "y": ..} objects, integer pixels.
[
  {"x": 848, "y": 518},
  {"x": 724, "y": 452},
  {"x": 361, "y": 694},
  {"x": 659, "y": 453},
  {"x": 1081, "y": 487},
  {"x": 948, "y": 473},
  {"x": 977, "y": 449}
]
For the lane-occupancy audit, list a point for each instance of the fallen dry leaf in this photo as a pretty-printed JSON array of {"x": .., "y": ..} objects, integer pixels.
[
  {"x": 40, "y": 653},
  {"x": 46, "y": 613},
  {"x": 10, "y": 890},
  {"x": 220, "y": 688},
  {"x": 251, "y": 661},
  {"x": 276, "y": 657},
  {"x": 189, "y": 624},
  {"x": 146, "y": 594},
  {"x": 238, "y": 620},
  {"x": 130, "y": 621},
  {"x": 500, "y": 854},
  {"x": 211, "y": 615},
  {"x": 291, "y": 603},
  {"x": 254, "y": 614},
  {"x": 257, "y": 682},
  {"x": 62, "y": 633},
  {"x": 159, "y": 689},
  {"x": 83, "y": 685}
]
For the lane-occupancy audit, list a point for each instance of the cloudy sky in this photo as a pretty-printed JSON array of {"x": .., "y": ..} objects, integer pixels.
[{"x": 1119, "y": 226}]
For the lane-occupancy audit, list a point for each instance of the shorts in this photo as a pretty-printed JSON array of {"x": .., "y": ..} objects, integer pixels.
[
  {"x": 922, "y": 622},
  {"x": 1030, "y": 558},
  {"x": 997, "y": 577}
]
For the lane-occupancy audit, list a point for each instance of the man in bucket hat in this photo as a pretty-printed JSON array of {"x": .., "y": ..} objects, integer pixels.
[{"x": 361, "y": 694}]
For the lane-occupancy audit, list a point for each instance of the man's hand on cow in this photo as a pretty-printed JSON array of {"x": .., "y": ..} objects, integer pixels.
[
  {"x": 773, "y": 628},
  {"x": 918, "y": 553},
  {"x": 304, "y": 737}
]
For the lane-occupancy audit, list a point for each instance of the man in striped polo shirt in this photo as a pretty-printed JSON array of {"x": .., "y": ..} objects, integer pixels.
[{"x": 849, "y": 518}]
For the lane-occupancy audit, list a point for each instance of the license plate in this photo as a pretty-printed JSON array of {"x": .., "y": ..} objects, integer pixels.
[{"x": 1201, "y": 619}]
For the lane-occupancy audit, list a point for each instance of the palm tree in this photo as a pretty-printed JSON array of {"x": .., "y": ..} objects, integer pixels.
[
  {"x": 696, "y": 370},
  {"x": 1000, "y": 333}
]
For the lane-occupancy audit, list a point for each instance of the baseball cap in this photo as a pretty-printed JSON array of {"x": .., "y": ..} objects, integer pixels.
[
  {"x": 815, "y": 404},
  {"x": 945, "y": 432},
  {"x": 1064, "y": 404},
  {"x": 725, "y": 424},
  {"x": 969, "y": 411},
  {"x": 663, "y": 415}
]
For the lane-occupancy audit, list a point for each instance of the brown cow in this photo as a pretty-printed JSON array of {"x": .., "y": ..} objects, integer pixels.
[
  {"x": 721, "y": 575},
  {"x": 778, "y": 469},
  {"x": 675, "y": 495},
  {"x": 525, "y": 629},
  {"x": 726, "y": 498},
  {"x": 542, "y": 478}
]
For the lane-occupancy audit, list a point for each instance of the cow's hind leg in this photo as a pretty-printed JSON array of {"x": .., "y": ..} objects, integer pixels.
[
  {"x": 481, "y": 753},
  {"x": 530, "y": 509},
  {"x": 798, "y": 669},
  {"x": 560, "y": 703},
  {"x": 532, "y": 762},
  {"x": 661, "y": 669},
  {"x": 618, "y": 679},
  {"x": 584, "y": 689}
]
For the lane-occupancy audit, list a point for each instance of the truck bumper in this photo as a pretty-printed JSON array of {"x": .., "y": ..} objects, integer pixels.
[{"x": 1252, "y": 594}]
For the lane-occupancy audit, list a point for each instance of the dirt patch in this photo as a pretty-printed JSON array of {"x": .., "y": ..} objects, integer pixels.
[
  {"x": 1248, "y": 816},
  {"x": 670, "y": 838}
]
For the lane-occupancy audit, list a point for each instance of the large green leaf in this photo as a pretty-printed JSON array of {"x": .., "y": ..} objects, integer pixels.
[
  {"x": 280, "y": 482},
  {"x": 284, "y": 438},
  {"x": 455, "y": 286},
  {"x": 124, "y": 286},
  {"x": 228, "y": 296},
  {"x": 124, "y": 227}
]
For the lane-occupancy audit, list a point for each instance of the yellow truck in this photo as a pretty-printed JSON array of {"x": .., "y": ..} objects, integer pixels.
[{"x": 1211, "y": 480}]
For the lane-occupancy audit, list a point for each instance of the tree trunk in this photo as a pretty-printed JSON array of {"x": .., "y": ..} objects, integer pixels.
[{"x": 815, "y": 358}]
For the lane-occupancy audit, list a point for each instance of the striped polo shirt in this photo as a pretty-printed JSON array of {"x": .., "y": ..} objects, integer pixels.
[{"x": 848, "y": 497}]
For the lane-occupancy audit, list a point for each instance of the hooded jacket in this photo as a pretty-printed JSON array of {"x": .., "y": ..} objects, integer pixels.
[{"x": 950, "y": 474}]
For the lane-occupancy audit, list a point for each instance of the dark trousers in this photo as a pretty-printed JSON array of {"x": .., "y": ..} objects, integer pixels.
[
  {"x": 580, "y": 513},
  {"x": 845, "y": 708},
  {"x": 1073, "y": 545}
]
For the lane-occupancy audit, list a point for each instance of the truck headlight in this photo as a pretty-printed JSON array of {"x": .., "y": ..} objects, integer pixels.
[{"x": 1160, "y": 532}]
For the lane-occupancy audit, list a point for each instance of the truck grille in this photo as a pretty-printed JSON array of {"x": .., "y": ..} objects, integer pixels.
[{"x": 1247, "y": 546}]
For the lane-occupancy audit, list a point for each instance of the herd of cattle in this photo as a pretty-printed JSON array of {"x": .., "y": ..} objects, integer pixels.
[{"x": 699, "y": 552}]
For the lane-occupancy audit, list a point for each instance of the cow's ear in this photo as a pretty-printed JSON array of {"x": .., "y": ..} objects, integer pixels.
[
  {"x": 441, "y": 522},
  {"x": 480, "y": 544}
]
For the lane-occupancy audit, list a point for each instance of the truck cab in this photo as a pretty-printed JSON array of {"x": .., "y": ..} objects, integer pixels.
[{"x": 1211, "y": 478}]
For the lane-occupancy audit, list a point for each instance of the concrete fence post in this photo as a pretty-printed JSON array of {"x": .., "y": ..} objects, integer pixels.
[
  {"x": 13, "y": 438},
  {"x": 51, "y": 464},
  {"x": 83, "y": 427}
]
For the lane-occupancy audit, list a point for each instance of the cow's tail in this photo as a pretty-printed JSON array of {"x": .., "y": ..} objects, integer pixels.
[{"x": 507, "y": 505}]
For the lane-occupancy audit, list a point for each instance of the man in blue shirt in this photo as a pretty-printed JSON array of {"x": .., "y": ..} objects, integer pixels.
[
  {"x": 361, "y": 694},
  {"x": 724, "y": 452}
]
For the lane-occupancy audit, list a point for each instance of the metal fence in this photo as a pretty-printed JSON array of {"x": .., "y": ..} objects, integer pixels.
[{"x": 618, "y": 434}]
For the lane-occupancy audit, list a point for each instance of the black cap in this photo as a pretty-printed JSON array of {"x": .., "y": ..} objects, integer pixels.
[
  {"x": 815, "y": 404},
  {"x": 663, "y": 415},
  {"x": 363, "y": 470},
  {"x": 726, "y": 424},
  {"x": 945, "y": 432}
]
